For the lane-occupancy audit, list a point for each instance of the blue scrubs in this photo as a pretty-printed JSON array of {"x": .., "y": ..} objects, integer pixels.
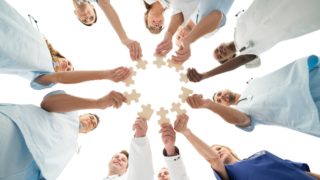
[
  {"x": 23, "y": 50},
  {"x": 288, "y": 97},
  {"x": 34, "y": 142},
  {"x": 265, "y": 166}
]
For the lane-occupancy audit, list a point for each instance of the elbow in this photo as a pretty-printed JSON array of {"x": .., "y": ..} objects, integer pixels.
[{"x": 45, "y": 104}]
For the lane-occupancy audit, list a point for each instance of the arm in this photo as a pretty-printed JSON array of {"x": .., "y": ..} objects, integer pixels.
[
  {"x": 317, "y": 176},
  {"x": 180, "y": 125},
  {"x": 67, "y": 103},
  {"x": 166, "y": 45},
  {"x": 171, "y": 153},
  {"x": 72, "y": 77},
  {"x": 231, "y": 64},
  {"x": 229, "y": 114},
  {"x": 140, "y": 157},
  {"x": 134, "y": 46}
]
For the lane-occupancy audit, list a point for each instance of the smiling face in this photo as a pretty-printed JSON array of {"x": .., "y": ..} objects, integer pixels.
[
  {"x": 224, "y": 52},
  {"x": 118, "y": 164},
  {"x": 164, "y": 174},
  {"x": 86, "y": 13},
  {"x": 88, "y": 122},
  {"x": 62, "y": 64},
  {"x": 225, "y": 154},
  {"x": 155, "y": 22},
  {"x": 225, "y": 97}
]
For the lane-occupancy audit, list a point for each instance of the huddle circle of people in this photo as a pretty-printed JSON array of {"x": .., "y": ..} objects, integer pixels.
[{"x": 37, "y": 142}]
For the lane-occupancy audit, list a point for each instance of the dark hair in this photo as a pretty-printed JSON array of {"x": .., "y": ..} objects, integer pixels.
[
  {"x": 151, "y": 29},
  {"x": 97, "y": 117},
  {"x": 127, "y": 155},
  {"x": 95, "y": 20}
]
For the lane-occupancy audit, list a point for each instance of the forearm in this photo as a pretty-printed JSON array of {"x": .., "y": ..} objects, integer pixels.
[
  {"x": 176, "y": 21},
  {"x": 206, "y": 25},
  {"x": 113, "y": 18},
  {"x": 67, "y": 103},
  {"x": 317, "y": 176},
  {"x": 72, "y": 77},
  {"x": 230, "y": 65},
  {"x": 229, "y": 114}
]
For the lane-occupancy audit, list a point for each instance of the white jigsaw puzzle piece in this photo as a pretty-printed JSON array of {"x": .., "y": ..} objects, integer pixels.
[
  {"x": 178, "y": 67},
  {"x": 141, "y": 64},
  {"x": 147, "y": 112},
  {"x": 184, "y": 78},
  {"x": 163, "y": 113},
  {"x": 185, "y": 93},
  {"x": 159, "y": 62},
  {"x": 130, "y": 80},
  {"x": 133, "y": 96},
  {"x": 176, "y": 107}
]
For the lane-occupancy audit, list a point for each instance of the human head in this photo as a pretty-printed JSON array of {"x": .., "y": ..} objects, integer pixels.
[
  {"x": 86, "y": 13},
  {"x": 61, "y": 64},
  {"x": 119, "y": 163},
  {"x": 88, "y": 122},
  {"x": 227, "y": 156},
  {"x": 164, "y": 174},
  {"x": 153, "y": 19},
  {"x": 224, "y": 52},
  {"x": 225, "y": 97}
]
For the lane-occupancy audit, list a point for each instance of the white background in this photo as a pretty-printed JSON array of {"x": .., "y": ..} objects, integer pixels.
[{"x": 98, "y": 47}]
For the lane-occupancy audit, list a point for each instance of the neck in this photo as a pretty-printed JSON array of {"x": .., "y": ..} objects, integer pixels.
[
  {"x": 113, "y": 172},
  {"x": 232, "y": 46}
]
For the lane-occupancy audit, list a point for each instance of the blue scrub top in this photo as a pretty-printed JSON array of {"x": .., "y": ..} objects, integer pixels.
[{"x": 265, "y": 166}]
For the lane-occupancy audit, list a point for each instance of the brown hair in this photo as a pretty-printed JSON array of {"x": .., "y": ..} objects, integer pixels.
[
  {"x": 125, "y": 152},
  {"x": 232, "y": 153}
]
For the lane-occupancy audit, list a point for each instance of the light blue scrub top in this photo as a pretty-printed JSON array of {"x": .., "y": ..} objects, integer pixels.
[
  {"x": 51, "y": 138},
  {"x": 286, "y": 97},
  {"x": 23, "y": 50}
]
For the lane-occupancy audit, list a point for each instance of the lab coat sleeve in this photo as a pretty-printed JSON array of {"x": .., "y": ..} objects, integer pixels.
[
  {"x": 140, "y": 160},
  {"x": 176, "y": 166}
]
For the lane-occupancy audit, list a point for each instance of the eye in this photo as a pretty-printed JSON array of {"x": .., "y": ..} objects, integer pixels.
[{"x": 218, "y": 148}]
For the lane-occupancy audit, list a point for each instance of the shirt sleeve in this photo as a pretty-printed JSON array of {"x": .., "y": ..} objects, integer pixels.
[
  {"x": 302, "y": 166},
  {"x": 249, "y": 128},
  {"x": 37, "y": 86},
  {"x": 140, "y": 160},
  {"x": 175, "y": 166}
]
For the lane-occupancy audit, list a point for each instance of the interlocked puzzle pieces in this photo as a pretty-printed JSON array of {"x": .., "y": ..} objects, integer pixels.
[
  {"x": 185, "y": 93},
  {"x": 178, "y": 67},
  {"x": 133, "y": 96},
  {"x": 163, "y": 113},
  {"x": 129, "y": 80},
  {"x": 176, "y": 107},
  {"x": 147, "y": 112}
]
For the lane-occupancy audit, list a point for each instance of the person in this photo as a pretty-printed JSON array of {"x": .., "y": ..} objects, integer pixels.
[
  {"x": 153, "y": 17},
  {"x": 86, "y": 14},
  {"x": 140, "y": 157},
  {"x": 38, "y": 143},
  {"x": 287, "y": 97},
  {"x": 24, "y": 52},
  {"x": 176, "y": 169},
  {"x": 258, "y": 29},
  {"x": 227, "y": 165},
  {"x": 211, "y": 16}
]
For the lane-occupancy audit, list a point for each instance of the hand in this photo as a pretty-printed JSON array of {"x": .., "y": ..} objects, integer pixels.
[
  {"x": 134, "y": 48},
  {"x": 197, "y": 101},
  {"x": 140, "y": 126},
  {"x": 181, "y": 124},
  {"x": 165, "y": 46},
  {"x": 168, "y": 136},
  {"x": 114, "y": 99},
  {"x": 194, "y": 76},
  {"x": 118, "y": 74},
  {"x": 182, "y": 54}
]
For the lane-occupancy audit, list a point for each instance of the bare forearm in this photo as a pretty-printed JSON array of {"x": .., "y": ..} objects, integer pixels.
[
  {"x": 67, "y": 103},
  {"x": 230, "y": 65},
  {"x": 176, "y": 21},
  {"x": 317, "y": 176},
  {"x": 72, "y": 77},
  {"x": 113, "y": 18},
  {"x": 229, "y": 114},
  {"x": 206, "y": 25}
]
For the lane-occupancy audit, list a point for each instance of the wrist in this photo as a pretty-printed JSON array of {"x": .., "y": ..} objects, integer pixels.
[
  {"x": 186, "y": 132},
  {"x": 170, "y": 150}
]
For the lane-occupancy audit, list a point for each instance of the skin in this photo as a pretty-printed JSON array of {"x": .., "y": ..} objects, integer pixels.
[
  {"x": 155, "y": 19},
  {"x": 226, "y": 97},
  {"x": 63, "y": 65},
  {"x": 164, "y": 174},
  {"x": 88, "y": 123},
  {"x": 85, "y": 12},
  {"x": 224, "y": 51},
  {"x": 118, "y": 164},
  {"x": 66, "y": 103}
]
